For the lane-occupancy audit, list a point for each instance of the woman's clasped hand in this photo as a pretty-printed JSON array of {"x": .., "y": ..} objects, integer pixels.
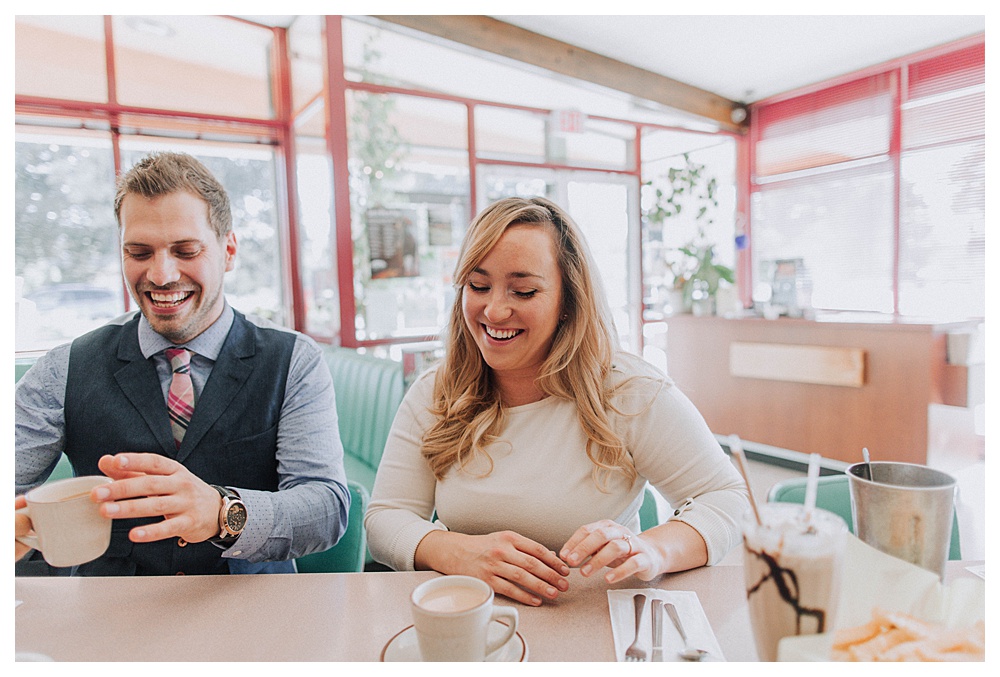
[
  {"x": 524, "y": 570},
  {"x": 514, "y": 566},
  {"x": 608, "y": 544}
]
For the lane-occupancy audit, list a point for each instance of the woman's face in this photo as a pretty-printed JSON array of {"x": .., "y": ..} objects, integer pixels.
[{"x": 513, "y": 299}]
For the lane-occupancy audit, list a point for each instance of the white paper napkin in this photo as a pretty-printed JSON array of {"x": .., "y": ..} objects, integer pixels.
[{"x": 696, "y": 625}]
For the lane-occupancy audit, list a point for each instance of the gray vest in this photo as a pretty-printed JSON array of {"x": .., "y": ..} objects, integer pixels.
[{"x": 114, "y": 403}]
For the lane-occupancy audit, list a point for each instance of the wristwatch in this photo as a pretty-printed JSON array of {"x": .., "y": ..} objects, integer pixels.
[{"x": 232, "y": 515}]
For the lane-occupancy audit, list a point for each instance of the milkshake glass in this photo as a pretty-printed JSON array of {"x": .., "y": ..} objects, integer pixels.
[{"x": 792, "y": 566}]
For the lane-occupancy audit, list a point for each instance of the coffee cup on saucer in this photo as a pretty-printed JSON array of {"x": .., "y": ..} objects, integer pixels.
[{"x": 452, "y": 617}]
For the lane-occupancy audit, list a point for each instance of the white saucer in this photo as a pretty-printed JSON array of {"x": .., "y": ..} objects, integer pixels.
[{"x": 402, "y": 648}]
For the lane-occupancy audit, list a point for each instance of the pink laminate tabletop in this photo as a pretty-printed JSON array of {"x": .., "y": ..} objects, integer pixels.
[{"x": 322, "y": 617}]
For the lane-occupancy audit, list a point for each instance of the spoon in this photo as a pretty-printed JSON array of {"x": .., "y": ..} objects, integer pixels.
[{"x": 688, "y": 653}]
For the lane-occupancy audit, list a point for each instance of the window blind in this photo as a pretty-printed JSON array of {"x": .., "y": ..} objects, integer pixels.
[
  {"x": 942, "y": 248},
  {"x": 851, "y": 121}
]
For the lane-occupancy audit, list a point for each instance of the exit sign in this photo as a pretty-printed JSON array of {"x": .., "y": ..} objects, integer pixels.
[{"x": 568, "y": 121}]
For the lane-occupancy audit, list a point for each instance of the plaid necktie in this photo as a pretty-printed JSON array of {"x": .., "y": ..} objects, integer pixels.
[{"x": 180, "y": 399}]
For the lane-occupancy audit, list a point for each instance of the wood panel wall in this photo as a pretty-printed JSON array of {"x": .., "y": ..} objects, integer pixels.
[{"x": 905, "y": 370}]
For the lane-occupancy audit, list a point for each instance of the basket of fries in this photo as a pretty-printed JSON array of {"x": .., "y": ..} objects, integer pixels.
[
  {"x": 896, "y": 636},
  {"x": 891, "y": 610}
]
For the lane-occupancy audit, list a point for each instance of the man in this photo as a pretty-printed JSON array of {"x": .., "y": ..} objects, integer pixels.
[{"x": 203, "y": 417}]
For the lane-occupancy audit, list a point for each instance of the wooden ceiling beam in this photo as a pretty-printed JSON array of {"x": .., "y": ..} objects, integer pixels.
[{"x": 497, "y": 37}]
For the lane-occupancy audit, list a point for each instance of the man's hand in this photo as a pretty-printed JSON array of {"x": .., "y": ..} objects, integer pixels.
[
  {"x": 22, "y": 527},
  {"x": 150, "y": 485}
]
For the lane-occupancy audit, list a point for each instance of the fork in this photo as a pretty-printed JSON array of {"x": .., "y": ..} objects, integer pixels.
[{"x": 635, "y": 653}]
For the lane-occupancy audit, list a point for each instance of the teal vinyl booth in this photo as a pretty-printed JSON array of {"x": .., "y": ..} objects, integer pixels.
[{"x": 348, "y": 555}]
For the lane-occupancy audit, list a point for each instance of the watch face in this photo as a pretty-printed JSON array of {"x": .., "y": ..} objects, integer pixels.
[{"x": 236, "y": 518}]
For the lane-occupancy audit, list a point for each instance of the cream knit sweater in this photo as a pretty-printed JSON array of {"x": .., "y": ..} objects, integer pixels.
[{"x": 537, "y": 478}]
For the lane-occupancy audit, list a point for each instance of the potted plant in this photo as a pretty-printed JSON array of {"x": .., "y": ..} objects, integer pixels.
[
  {"x": 701, "y": 287},
  {"x": 690, "y": 193}
]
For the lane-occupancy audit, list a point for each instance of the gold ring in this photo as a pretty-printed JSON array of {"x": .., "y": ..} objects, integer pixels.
[{"x": 628, "y": 539}]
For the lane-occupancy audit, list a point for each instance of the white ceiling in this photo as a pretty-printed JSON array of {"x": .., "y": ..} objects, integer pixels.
[{"x": 748, "y": 58}]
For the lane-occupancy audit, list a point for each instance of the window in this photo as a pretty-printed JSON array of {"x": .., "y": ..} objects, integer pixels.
[
  {"x": 60, "y": 57},
  {"x": 694, "y": 218},
  {"x": 63, "y": 206},
  {"x": 375, "y": 231},
  {"x": 840, "y": 223},
  {"x": 409, "y": 172},
  {"x": 318, "y": 247},
  {"x": 943, "y": 182},
  {"x": 201, "y": 64},
  {"x": 414, "y": 108},
  {"x": 824, "y": 193},
  {"x": 510, "y": 135},
  {"x": 215, "y": 105},
  {"x": 899, "y": 232}
]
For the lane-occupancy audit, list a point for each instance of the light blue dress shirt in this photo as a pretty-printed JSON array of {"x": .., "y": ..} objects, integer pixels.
[{"x": 309, "y": 511}]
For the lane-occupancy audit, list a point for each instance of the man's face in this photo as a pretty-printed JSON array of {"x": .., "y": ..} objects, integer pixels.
[{"x": 174, "y": 262}]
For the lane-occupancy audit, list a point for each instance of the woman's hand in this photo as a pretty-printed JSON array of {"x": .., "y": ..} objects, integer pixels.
[
  {"x": 673, "y": 546},
  {"x": 514, "y": 566},
  {"x": 608, "y": 543}
]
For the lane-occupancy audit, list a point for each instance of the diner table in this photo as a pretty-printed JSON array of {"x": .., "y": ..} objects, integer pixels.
[{"x": 326, "y": 617}]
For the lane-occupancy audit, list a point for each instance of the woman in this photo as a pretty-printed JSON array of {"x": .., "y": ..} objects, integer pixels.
[{"x": 534, "y": 438}]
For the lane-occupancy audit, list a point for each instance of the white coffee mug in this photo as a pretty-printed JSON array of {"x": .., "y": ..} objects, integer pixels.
[
  {"x": 69, "y": 528},
  {"x": 452, "y": 617}
]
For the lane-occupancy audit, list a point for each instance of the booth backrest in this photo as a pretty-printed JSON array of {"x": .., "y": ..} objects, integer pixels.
[
  {"x": 351, "y": 551},
  {"x": 21, "y": 366},
  {"x": 369, "y": 390}
]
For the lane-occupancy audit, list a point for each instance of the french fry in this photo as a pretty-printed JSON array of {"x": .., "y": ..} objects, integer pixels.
[
  {"x": 856, "y": 635},
  {"x": 893, "y": 636}
]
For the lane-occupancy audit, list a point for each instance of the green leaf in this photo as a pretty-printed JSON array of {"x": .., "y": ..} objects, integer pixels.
[{"x": 726, "y": 273}]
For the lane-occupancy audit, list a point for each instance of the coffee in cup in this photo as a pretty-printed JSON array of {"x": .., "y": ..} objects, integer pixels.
[
  {"x": 452, "y": 617},
  {"x": 69, "y": 528},
  {"x": 792, "y": 566}
]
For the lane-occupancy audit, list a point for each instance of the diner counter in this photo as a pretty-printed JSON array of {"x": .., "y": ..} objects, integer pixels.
[
  {"x": 831, "y": 385},
  {"x": 324, "y": 617}
]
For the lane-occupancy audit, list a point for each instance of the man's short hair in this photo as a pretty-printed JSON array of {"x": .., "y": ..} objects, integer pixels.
[{"x": 165, "y": 173}]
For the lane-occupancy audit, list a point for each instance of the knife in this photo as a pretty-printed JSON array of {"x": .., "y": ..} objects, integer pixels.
[{"x": 656, "y": 609}]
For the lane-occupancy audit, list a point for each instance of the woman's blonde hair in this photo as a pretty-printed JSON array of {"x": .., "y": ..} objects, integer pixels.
[{"x": 469, "y": 414}]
